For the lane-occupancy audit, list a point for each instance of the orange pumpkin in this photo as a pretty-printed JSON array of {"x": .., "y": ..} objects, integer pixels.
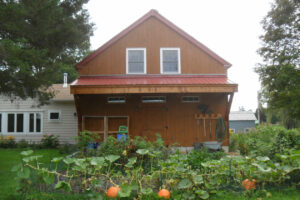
[
  {"x": 164, "y": 193},
  {"x": 112, "y": 192},
  {"x": 248, "y": 184}
]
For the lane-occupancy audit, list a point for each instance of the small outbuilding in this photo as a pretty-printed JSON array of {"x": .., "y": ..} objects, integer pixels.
[{"x": 241, "y": 121}]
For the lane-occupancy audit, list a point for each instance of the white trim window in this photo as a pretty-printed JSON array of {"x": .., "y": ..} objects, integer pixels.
[
  {"x": 170, "y": 61},
  {"x": 116, "y": 100},
  {"x": 190, "y": 99},
  {"x": 54, "y": 115},
  {"x": 156, "y": 99},
  {"x": 136, "y": 61},
  {"x": 21, "y": 122}
]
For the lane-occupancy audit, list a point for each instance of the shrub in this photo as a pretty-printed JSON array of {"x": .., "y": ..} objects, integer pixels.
[
  {"x": 195, "y": 158},
  {"x": 67, "y": 149},
  {"x": 23, "y": 144},
  {"x": 266, "y": 141},
  {"x": 7, "y": 141},
  {"x": 50, "y": 141}
]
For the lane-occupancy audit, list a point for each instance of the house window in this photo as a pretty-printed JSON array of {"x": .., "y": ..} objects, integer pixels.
[
  {"x": 0, "y": 122},
  {"x": 11, "y": 122},
  {"x": 160, "y": 99},
  {"x": 136, "y": 60},
  {"x": 170, "y": 61},
  {"x": 20, "y": 122},
  {"x": 190, "y": 99},
  {"x": 54, "y": 115},
  {"x": 35, "y": 122},
  {"x": 116, "y": 100}
]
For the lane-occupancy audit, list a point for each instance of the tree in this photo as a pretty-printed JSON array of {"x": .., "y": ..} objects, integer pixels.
[
  {"x": 39, "y": 40},
  {"x": 280, "y": 73}
]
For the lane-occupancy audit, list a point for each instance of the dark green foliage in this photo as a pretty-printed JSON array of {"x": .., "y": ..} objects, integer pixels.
[
  {"x": 49, "y": 141},
  {"x": 195, "y": 158},
  {"x": 67, "y": 148},
  {"x": 280, "y": 71},
  {"x": 23, "y": 144},
  {"x": 266, "y": 141},
  {"x": 39, "y": 40}
]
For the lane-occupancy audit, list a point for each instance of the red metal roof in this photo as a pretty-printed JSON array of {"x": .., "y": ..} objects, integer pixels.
[
  {"x": 152, "y": 80},
  {"x": 154, "y": 13}
]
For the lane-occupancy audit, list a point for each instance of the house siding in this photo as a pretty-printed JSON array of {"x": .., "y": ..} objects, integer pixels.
[
  {"x": 239, "y": 126},
  {"x": 66, "y": 128}
]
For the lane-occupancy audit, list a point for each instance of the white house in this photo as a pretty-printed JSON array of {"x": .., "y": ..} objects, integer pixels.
[{"x": 23, "y": 119}]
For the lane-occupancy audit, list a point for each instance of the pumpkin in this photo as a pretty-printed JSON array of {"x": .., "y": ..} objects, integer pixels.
[
  {"x": 248, "y": 184},
  {"x": 164, "y": 193},
  {"x": 112, "y": 192}
]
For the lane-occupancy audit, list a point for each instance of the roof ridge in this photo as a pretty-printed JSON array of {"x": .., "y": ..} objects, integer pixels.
[{"x": 154, "y": 13}]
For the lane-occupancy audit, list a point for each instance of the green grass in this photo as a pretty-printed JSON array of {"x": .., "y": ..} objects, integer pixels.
[{"x": 11, "y": 157}]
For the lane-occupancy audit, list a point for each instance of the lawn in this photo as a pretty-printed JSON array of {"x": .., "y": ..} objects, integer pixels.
[{"x": 10, "y": 157}]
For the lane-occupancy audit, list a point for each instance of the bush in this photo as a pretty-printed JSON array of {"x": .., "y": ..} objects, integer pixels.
[
  {"x": 266, "y": 141},
  {"x": 23, "y": 144},
  {"x": 7, "y": 141},
  {"x": 49, "y": 141},
  {"x": 195, "y": 158},
  {"x": 67, "y": 149}
]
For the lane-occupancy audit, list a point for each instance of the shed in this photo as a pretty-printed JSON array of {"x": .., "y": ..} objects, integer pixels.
[{"x": 241, "y": 121}]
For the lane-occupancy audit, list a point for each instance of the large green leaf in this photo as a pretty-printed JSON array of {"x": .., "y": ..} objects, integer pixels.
[
  {"x": 63, "y": 185},
  {"x": 48, "y": 178},
  {"x": 263, "y": 158},
  {"x": 69, "y": 160},
  {"x": 202, "y": 194},
  {"x": 24, "y": 174},
  {"x": 142, "y": 151},
  {"x": 146, "y": 191},
  {"x": 198, "y": 179},
  {"x": 56, "y": 159},
  {"x": 125, "y": 191},
  {"x": 26, "y": 153},
  {"x": 97, "y": 161},
  {"x": 184, "y": 184},
  {"x": 112, "y": 158}
]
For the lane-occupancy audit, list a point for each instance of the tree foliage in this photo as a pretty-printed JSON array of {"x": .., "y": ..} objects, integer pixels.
[
  {"x": 39, "y": 40},
  {"x": 280, "y": 73}
]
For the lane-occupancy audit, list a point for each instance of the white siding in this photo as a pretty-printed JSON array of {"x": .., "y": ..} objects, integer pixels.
[{"x": 65, "y": 128}]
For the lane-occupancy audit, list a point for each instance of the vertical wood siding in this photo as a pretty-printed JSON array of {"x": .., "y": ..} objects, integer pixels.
[{"x": 152, "y": 35}]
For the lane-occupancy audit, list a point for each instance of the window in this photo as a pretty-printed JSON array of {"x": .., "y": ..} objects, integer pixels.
[
  {"x": 35, "y": 122},
  {"x": 21, "y": 122},
  {"x": 116, "y": 100},
  {"x": 170, "y": 61},
  {"x": 11, "y": 122},
  {"x": 136, "y": 61},
  {"x": 190, "y": 99},
  {"x": 159, "y": 99},
  {"x": 54, "y": 115}
]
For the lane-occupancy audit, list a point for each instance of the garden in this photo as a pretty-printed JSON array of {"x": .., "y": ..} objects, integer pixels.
[{"x": 265, "y": 165}]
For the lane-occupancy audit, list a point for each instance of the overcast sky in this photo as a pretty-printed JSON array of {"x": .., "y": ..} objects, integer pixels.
[{"x": 230, "y": 28}]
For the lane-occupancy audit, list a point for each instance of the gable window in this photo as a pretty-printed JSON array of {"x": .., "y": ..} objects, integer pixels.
[
  {"x": 116, "y": 100},
  {"x": 190, "y": 99},
  {"x": 54, "y": 115},
  {"x": 136, "y": 60},
  {"x": 170, "y": 61},
  {"x": 160, "y": 99}
]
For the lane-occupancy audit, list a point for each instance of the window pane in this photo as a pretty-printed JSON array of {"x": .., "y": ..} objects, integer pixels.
[
  {"x": 136, "y": 61},
  {"x": 31, "y": 122},
  {"x": 0, "y": 122},
  {"x": 170, "y": 55},
  {"x": 136, "y": 56},
  {"x": 11, "y": 122},
  {"x": 170, "y": 61},
  {"x": 38, "y": 122},
  {"x": 20, "y": 118},
  {"x": 54, "y": 115},
  {"x": 136, "y": 67},
  {"x": 170, "y": 67}
]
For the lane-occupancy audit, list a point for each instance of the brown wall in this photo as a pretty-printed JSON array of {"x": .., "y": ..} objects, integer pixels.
[
  {"x": 174, "y": 120},
  {"x": 152, "y": 35}
]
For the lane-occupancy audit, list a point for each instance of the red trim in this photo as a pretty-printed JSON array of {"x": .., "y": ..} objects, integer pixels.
[
  {"x": 153, "y": 13},
  {"x": 152, "y": 80}
]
